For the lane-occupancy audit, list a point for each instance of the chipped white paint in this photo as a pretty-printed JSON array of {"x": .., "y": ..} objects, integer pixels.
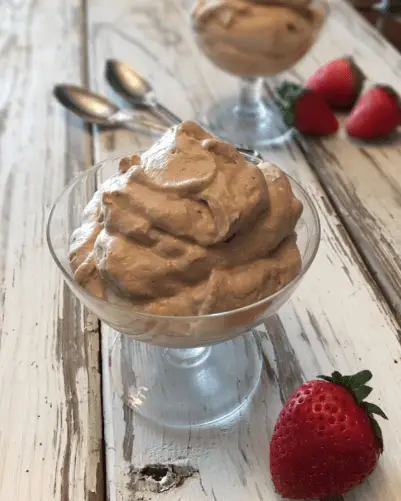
[
  {"x": 338, "y": 317},
  {"x": 363, "y": 180},
  {"x": 50, "y": 415},
  {"x": 50, "y": 435}
]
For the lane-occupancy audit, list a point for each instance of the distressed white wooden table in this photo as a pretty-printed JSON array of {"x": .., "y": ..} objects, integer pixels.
[{"x": 56, "y": 440}]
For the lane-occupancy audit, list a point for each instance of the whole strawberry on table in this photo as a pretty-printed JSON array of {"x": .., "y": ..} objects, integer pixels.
[
  {"x": 305, "y": 110},
  {"x": 326, "y": 440},
  {"x": 377, "y": 114},
  {"x": 338, "y": 82}
]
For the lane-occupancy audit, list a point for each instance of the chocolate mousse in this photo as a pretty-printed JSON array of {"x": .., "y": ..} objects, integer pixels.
[{"x": 188, "y": 228}]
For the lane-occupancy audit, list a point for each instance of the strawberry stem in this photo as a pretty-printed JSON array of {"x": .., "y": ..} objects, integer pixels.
[
  {"x": 389, "y": 91},
  {"x": 358, "y": 75},
  {"x": 356, "y": 384},
  {"x": 288, "y": 94}
]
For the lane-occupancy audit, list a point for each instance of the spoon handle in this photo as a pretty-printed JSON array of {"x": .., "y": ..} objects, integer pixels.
[
  {"x": 165, "y": 113},
  {"x": 125, "y": 118},
  {"x": 142, "y": 125},
  {"x": 130, "y": 120}
]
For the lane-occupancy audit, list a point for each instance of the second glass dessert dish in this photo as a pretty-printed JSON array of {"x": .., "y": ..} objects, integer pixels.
[
  {"x": 254, "y": 40},
  {"x": 182, "y": 250}
]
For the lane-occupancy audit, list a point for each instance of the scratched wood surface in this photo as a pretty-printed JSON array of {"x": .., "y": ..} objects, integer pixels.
[
  {"x": 362, "y": 180},
  {"x": 50, "y": 412},
  {"x": 338, "y": 318}
]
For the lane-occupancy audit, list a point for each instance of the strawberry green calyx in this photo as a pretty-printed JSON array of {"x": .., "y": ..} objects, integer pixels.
[
  {"x": 389, "y": 91},
  {"x": 288, "y": 94},
  {"x": 356, "y": 384},
  {"x": 358, "y": 76}
]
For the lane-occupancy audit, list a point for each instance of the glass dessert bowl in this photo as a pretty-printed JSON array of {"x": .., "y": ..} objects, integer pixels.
[
  {"x": 254, "y": 40},
  {"x": 174, "y": 370}
]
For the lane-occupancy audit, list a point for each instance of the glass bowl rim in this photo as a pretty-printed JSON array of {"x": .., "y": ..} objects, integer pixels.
[{"x": 95, "y": 168}]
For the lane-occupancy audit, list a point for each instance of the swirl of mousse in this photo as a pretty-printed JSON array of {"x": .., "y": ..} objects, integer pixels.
[
  {"x": 251, "y": 38},
  {"x": 190, "y": 228}
]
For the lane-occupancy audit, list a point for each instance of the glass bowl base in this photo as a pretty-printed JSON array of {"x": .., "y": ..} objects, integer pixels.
[
  {"x": 262, "y": 126},
  {"x": 188, "y": 387}
]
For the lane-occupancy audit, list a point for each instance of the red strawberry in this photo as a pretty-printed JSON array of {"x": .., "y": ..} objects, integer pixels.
[
  {"x": 339, "y": 82},
  {"x": 326, "y": 440},
  {"x": 377, "y": 114},
  {"x": 306, "y": 111}
]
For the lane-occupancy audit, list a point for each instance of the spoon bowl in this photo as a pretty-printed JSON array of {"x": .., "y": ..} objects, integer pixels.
[
  {"x": 135, "y": 89},
  {"x": 98, "y": 110},
  {"x": 89, "y": 106},
  {"x": 129, "y": 84}
]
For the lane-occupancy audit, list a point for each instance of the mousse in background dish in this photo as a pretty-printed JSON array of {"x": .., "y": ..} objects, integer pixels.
[{"x": 251, "y": 38}]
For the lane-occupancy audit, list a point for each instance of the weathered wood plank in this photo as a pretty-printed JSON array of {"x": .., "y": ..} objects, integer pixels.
[
  {"x": 362, "y": 180},
  {"x": 337, "y": 318},
  {"x": 50, "y": 413}
]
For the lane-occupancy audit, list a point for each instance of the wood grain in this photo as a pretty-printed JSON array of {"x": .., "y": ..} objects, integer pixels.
[
  {"x": 362, "y": 180},
  {"x": 338, "y": 318},
  {"x": 50, "y": 413}
]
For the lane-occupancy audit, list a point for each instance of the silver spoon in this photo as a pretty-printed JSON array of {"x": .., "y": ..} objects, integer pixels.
[
  {"x": 97, "y": 109},
  {"x": 135, "y": 89}
]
